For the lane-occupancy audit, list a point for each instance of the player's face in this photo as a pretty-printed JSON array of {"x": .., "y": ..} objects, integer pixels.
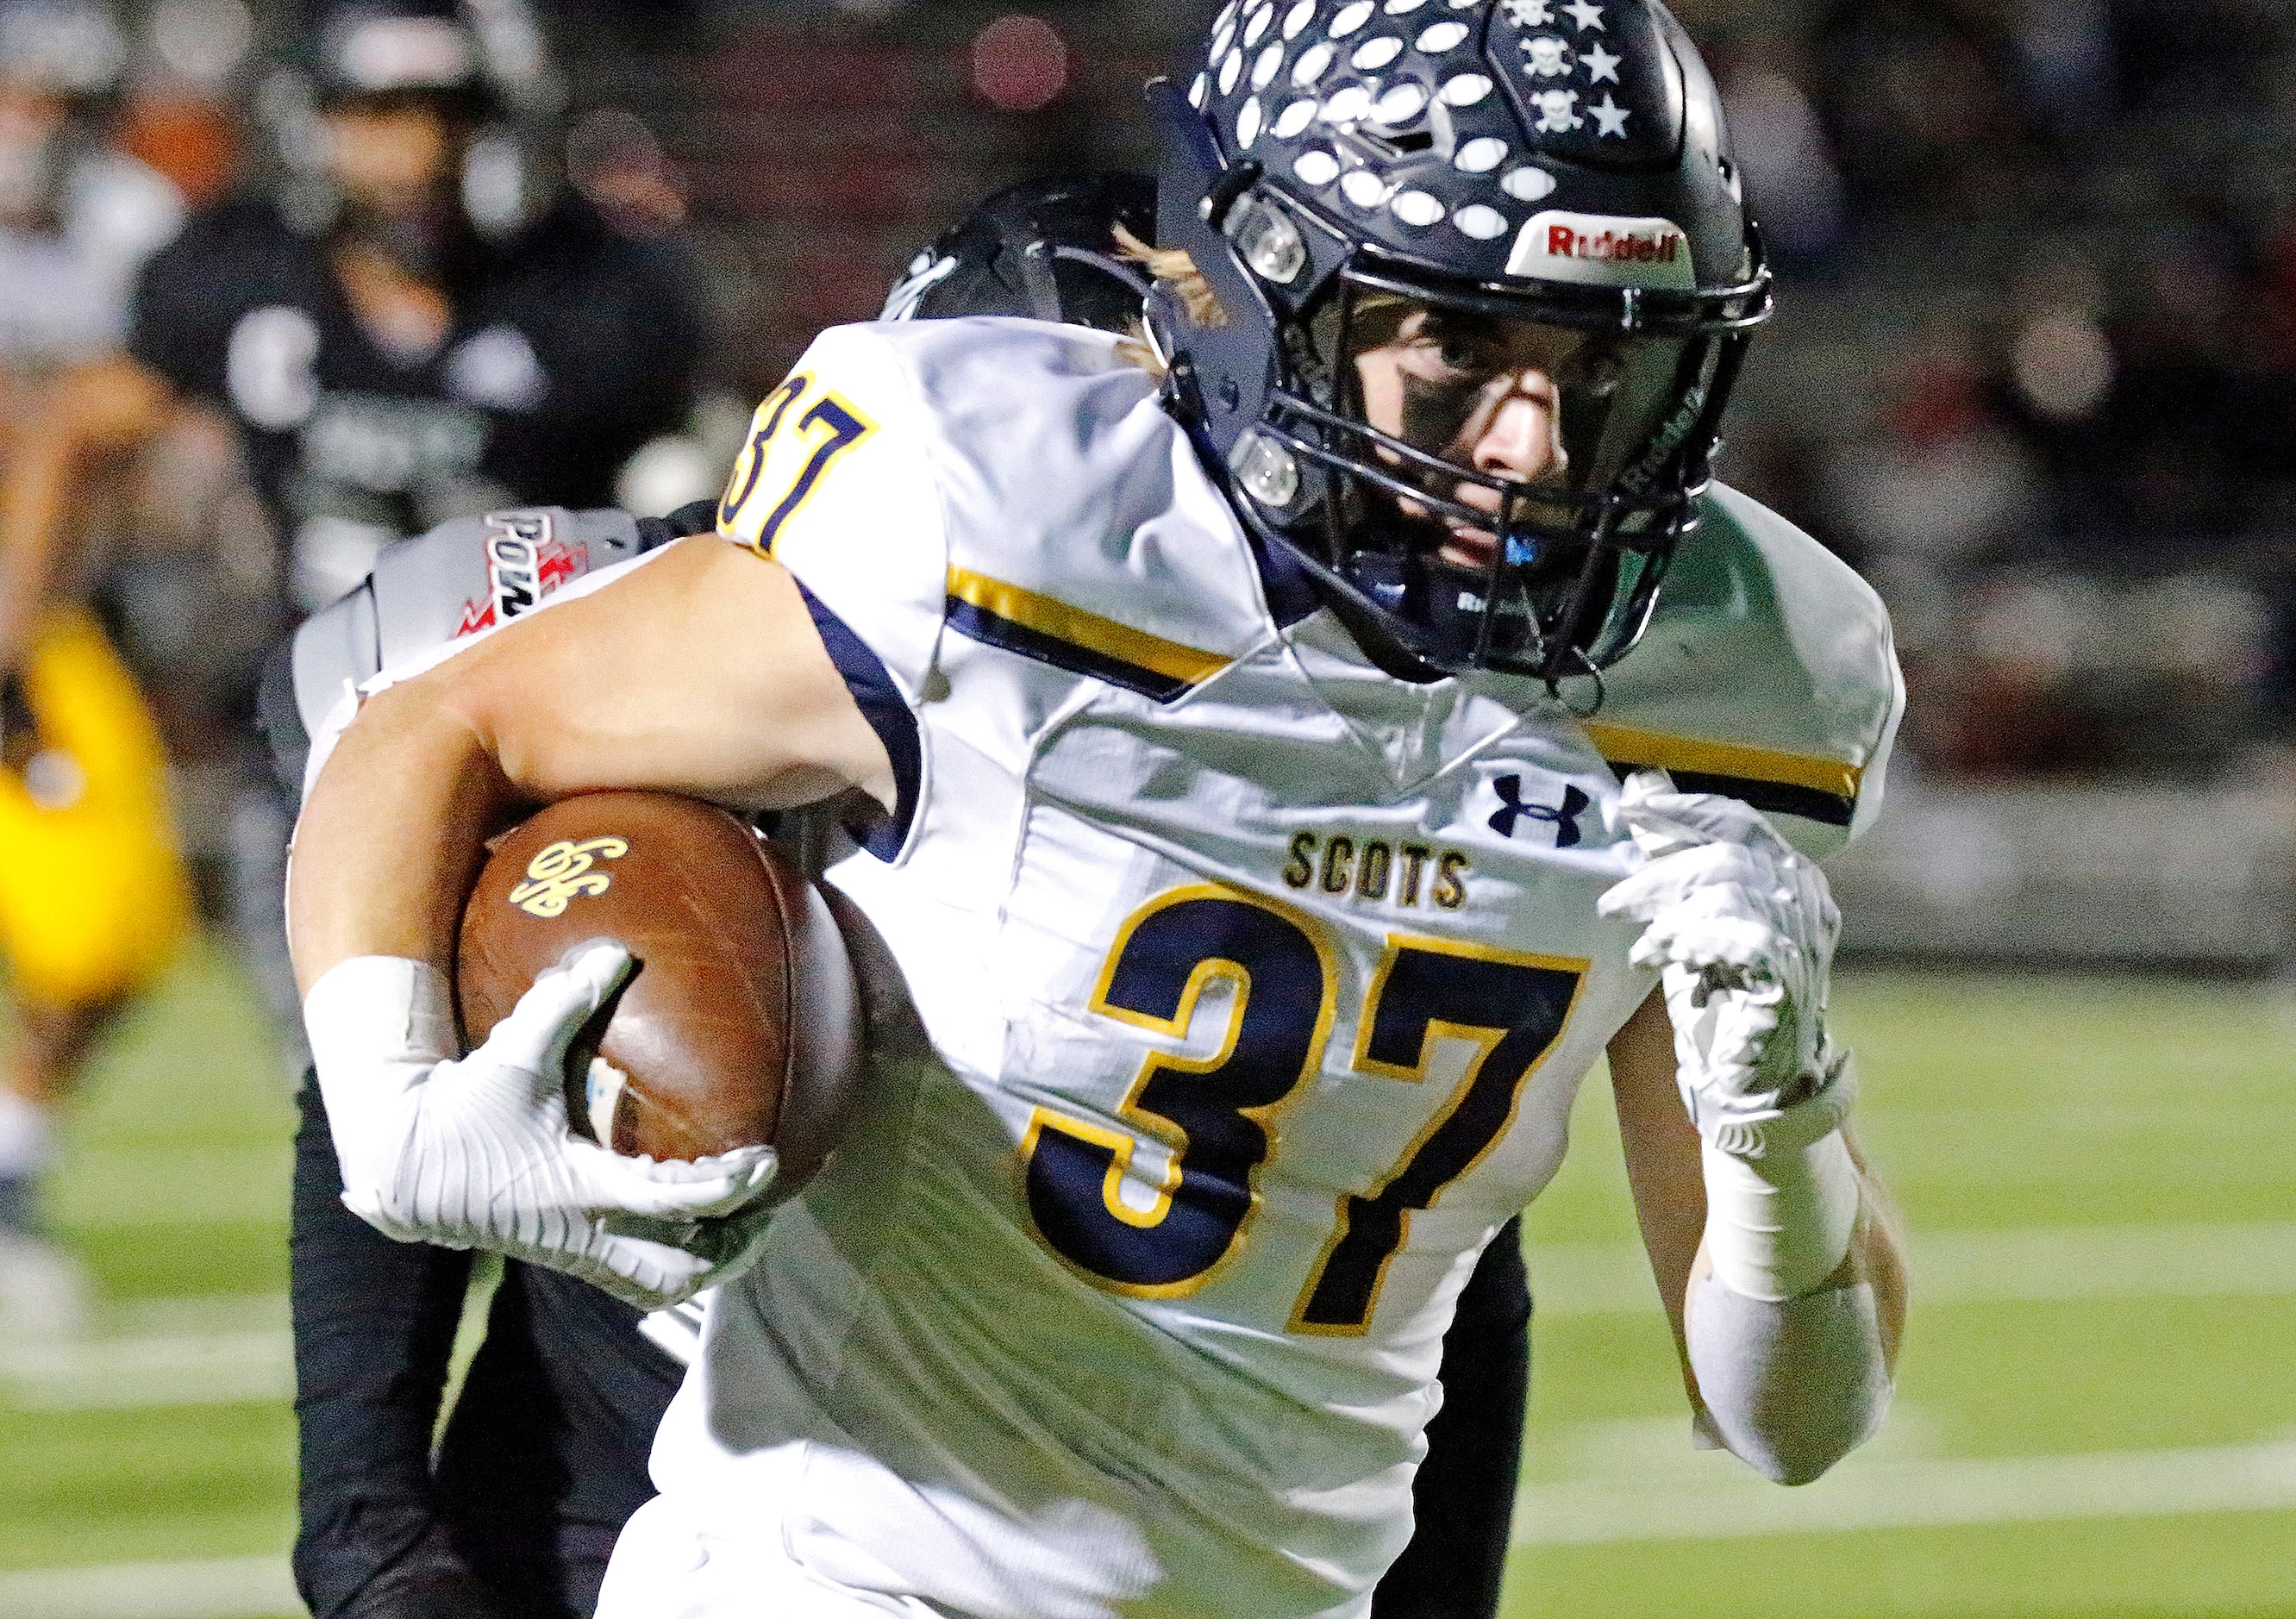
[
  {"x": 1477, "y": 390},
  {"x": 390, "y": 156},
  {"x": 1520, "y": 401}
]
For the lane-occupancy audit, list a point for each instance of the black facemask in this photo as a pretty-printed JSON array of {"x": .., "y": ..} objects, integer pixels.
[{"x": 1531, "y": 545}]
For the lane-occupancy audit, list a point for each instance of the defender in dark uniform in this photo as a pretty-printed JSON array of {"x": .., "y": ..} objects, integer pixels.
[
  {"x": 378, "y": 398},
  {"x": 547, "y": 1450}
]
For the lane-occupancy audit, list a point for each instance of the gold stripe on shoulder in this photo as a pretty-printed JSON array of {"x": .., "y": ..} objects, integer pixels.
[
  {"x": 1073, "y": 625},
  {"x": 1621, "y": 745},
  {"x": 725, "y": 532}
]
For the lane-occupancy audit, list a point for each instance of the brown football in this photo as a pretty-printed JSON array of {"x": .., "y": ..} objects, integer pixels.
[{"x": 741, "y": 1026}]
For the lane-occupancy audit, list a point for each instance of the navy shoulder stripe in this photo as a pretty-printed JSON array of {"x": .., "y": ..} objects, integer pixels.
[{"x": 882, "y": 704}]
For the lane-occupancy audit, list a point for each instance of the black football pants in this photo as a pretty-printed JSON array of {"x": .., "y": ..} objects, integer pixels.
[
  {"x": 545, "y": 1457},
  {"x": 542, "y": 1462}
]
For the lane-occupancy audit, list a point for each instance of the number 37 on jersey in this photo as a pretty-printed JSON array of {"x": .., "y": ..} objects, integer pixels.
[
  {"x": 1213, "y": 1113},
  {"x": 799, "y": 432}
]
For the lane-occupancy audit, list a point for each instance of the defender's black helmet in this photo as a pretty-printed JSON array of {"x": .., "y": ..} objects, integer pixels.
[
  {"x": 1549, "y": 180},
  {"x": 1044, "y": 250}
]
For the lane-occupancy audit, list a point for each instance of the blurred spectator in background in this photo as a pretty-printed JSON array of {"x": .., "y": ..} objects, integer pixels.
[
  {"x": 1786, "y": 154},
  {"x": 2038, "y": 372},
  {"x": 1940, "y": 482},
  {"x": 182, "y": 112},
  {"x": 1920, "y": 96},
  {"x": 78, "y": 216},
  {"x": 93, "y": 897}
]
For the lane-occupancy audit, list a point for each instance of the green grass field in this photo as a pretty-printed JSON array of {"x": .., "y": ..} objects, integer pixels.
[{"x": 2097, "y": 1415}]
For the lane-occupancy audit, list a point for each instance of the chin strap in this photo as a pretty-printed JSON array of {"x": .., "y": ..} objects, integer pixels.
[{"x": 1589, "y": 671}]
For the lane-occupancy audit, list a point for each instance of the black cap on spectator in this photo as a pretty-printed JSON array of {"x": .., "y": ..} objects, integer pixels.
[{"x": 382, "y": 48}]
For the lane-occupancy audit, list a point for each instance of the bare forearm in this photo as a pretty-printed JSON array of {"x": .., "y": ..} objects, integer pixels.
[
  {"x": 697, "y": 672},
  {"x": 392, "y": 836},
  {"x": 104, "y": 408},
  {"x": 32, "y": 499}
]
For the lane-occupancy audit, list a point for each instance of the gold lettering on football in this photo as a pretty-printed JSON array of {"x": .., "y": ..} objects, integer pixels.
[
  {"x": 563, "y": 873},
  {"x": 1450, "y": 887}
]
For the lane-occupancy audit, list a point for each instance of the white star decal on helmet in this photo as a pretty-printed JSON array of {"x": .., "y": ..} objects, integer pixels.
[
  {"x": 1610, "y": 116},
  {"x": 1600, "y": 65},
  {"x": 1586, "y": 14}
]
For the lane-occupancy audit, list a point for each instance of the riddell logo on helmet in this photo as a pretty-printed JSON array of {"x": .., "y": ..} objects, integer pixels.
[{"x": 1599, "y": 251}]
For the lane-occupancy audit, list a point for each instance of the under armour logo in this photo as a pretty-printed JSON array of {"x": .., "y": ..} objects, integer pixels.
[{"x": 1511, "y": 809}]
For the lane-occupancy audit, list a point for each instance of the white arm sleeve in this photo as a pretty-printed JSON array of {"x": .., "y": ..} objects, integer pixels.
[{"x": 1790, "y": 1386}]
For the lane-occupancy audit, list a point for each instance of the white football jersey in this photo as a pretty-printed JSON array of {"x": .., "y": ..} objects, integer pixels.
[{"x": 1226, "y": 994}]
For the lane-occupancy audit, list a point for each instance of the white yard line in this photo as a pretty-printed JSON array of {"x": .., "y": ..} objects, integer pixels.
[
  {"x": 177, "y": 1369},
  {"x": 2030, "y": 1265},
  {"x": 222, "y": 1351},
  {"x": 221, "y": 1588},
  {"x": 1882, "y": 1495},
  {"x": 1722, "y": 1501}
]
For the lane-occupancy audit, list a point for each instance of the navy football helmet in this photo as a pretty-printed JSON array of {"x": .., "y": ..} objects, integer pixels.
[{"x": 1548, "y": 184}]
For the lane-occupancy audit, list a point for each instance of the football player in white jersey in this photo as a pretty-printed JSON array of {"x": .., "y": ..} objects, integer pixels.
[
  {"x": 1234, "y": 736},
  {"x": 545, "y": 1457}
]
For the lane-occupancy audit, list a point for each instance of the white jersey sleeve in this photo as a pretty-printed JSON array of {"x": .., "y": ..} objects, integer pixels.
[
  {"x": 1768, "y": 673},
  {"x": 988, "y": 516},
  {"x": 836, "y": 483}
]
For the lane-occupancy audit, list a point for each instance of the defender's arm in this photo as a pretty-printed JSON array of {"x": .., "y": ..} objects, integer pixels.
[
  {"x": 699, "y": 671},
  {"x": 101, "y": 408}
]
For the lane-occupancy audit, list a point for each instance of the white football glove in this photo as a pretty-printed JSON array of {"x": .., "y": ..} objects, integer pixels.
[
  {"x": 1743, "y": 930},
  {"x": 477, "y": 1152}
]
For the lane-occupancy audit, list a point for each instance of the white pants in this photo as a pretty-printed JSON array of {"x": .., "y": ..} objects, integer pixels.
[{"x": 665, "y": 1567}]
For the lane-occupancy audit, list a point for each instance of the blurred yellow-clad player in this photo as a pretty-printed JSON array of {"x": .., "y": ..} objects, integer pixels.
[
  {"x": 94, "y": 900},
  {"x": 93, "y": 897}
]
